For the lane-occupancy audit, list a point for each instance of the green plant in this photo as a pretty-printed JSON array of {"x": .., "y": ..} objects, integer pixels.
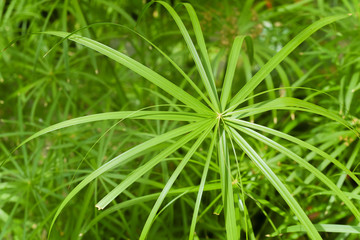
[{"x": 214, "y": 121}]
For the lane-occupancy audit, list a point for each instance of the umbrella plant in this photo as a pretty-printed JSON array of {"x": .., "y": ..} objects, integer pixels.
[{"x": 219, "y": 120}]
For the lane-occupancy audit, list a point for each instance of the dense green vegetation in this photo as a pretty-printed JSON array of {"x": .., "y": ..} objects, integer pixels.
[{"x": 174, "y": 120}]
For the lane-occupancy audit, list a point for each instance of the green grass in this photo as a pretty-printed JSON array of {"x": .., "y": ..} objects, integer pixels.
[{"x": 140, "y": 121}]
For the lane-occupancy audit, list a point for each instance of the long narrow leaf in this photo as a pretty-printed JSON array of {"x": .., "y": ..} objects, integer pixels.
[
  {"x": 231, "y": 66},
  {"x": 278, "y": 58},
  {"x": 171, "y": 181},
  {"x": 227, "y": 190},
  {"x": 123, "y": 158},
  {"x": 159, "y": 115},
  {"x": 202, "y": 185},
  {"x": 140, "y": 171},
  {"x": 299, "y": 142},
  {"x": 289, "y": 103},
  {"x": 208, "y": 83},
  {"x": 150, "y": 197},
  {"x": 275, "y": 181},
  {"x": 137, "y": 67},
  {"x": 330, "y": 228},
  {"x": 322, "y": 177},
  {"x": 202, "y": 46}
]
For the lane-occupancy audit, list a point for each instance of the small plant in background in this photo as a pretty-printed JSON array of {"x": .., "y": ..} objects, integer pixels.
[{"x": 206, "y": 138}]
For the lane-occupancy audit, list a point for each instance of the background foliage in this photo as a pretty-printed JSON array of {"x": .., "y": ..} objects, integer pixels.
[{"x": 71, "y": 81}]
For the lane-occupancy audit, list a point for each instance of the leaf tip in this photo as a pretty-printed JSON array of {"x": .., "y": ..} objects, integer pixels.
[
  {"x": 292, "y": 116},
  {"x": 98, "y": 207}
]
